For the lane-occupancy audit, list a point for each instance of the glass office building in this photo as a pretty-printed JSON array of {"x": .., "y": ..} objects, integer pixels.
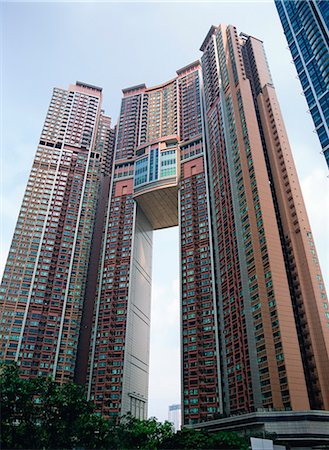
[{"x": 305, "y": 24}]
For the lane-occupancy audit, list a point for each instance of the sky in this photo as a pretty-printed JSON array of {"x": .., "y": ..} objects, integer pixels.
[{"x": 116, "y": 45}]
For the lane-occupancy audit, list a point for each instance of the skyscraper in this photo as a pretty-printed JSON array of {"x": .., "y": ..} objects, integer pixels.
[
  {"x": 159, "y": 181},
  {"x": 306, "y": 26},
  {"x": 175, "y": 416},
  {"x": 206, "y": 151},
  {"x": 45, "y": 276},
  {"x": 269, "y": 284}
]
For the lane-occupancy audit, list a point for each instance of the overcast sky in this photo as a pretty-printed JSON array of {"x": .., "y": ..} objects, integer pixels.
[{"x": 116, "y": 45}]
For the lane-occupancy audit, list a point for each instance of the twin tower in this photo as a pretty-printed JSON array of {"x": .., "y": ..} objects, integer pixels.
[{"x": 206, "y": 151}]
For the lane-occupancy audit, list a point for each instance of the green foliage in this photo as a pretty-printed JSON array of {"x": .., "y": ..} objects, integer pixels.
[
  {"x": 131, "y": 433},
  {"x": 226, "y": 439},
  {"x": 40, "y": 413},
  {"x": 200, "y": 439},
  {"x": 17, "y": 406}
]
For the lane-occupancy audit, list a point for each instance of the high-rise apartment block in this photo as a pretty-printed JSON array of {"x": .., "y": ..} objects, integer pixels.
[
  {"x": 206, "y": 151},
  {"x": 45, "y": 276},
  {"x": 306, "y": 27}
]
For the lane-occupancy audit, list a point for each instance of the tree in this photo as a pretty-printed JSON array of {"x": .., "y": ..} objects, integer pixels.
[
  {"x": 18, "y": 428},
  {"x": 189, "y": 438},
  {"x": 132, "y": 433},
  {"x": 228, "y": 439},
  {"x": 40, "y": 413}
]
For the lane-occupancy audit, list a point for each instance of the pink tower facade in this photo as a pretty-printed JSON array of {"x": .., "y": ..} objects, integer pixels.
[{"x": 159, "y": 180}]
